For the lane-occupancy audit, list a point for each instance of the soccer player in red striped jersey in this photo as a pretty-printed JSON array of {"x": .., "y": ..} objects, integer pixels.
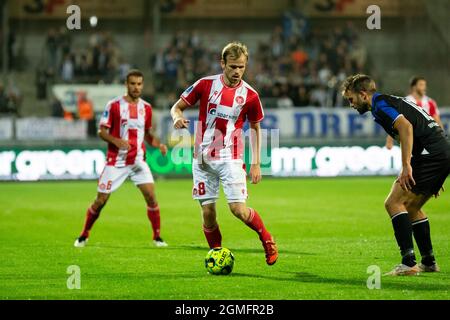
[
  {"x": 226, "y": 102},
  {"x": 419, "y": 96},
  {"x": 125, "y": 125}
]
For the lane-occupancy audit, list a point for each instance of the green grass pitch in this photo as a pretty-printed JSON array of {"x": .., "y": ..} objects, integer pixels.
[{"x": 329, "y": 231}]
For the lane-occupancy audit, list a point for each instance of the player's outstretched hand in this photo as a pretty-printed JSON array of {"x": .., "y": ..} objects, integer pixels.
[
  {"x": 406, "y": 179},
  {"x": 163, "y": 149},
  {"x": 255, "y": 173},
  {"x": 122, "y": 144},
  {"x": 180, "y": 123}
]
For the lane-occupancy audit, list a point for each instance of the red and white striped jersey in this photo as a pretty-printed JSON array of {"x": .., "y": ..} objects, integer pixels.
[
  {"x": 222, "y": 113},
  {"x": 428, "y": 104},
  {"x": 129, "y": 122}
]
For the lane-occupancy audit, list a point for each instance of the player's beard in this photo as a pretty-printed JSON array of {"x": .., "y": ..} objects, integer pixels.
[
  {"x": 363, "y": 107},
  {"x": 421, "y": 93},
  {"x": 233, "y": 79},
  {"x": 134, "y": 95}
]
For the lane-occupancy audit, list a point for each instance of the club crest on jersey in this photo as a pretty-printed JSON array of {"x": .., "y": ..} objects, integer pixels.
[
  {"x": 105, "y": 114},
  {"x": 141, "y": 112},
  {"x": 212, "y": 109},
  {"x": 239, "y": 100},
  {"x": 188, "y": 90}
]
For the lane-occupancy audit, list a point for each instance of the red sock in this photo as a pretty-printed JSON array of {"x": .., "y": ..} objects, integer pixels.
[
  {"x": 155, "y": 219},
  {"x": 213, "y": 236},
  {"x": 255, "y": 222},
  {"x": 91, "y": 216}
]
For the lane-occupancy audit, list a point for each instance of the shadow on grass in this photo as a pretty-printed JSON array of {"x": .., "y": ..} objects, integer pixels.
[
  {"x": 150, "y": 246},
  {"x": 195, "y": 248},
  {"x": 246, "y": 250},
  {"x": 394, "y": 283}
]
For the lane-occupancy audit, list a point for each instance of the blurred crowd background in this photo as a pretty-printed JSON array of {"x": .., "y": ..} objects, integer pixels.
[
  {"x": 297, "y": 65},
  {"x": 57, "y": 77},
  {"x": 296, "y": 59}
]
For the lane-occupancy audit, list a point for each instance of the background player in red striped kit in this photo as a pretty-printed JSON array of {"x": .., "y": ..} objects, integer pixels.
[
  {"x": 418, "y": 95},
  {"x": 125, "y": 124},
  {"x": 226, "y": 102}
]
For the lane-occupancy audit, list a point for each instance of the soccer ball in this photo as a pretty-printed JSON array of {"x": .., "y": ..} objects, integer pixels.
[{"x": 219, "y": 261}]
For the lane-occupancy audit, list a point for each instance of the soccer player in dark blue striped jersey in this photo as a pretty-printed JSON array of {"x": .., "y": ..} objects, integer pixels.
[{"x": 425, "y": 151}]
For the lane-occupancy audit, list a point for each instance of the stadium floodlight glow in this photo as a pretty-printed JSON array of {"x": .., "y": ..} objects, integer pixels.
[{"x": 93, "y": 21}]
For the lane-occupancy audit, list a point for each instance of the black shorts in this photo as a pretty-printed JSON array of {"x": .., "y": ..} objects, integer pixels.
[{"x": 429, "y": 173}]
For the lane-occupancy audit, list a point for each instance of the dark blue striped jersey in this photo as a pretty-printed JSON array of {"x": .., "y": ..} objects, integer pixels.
[{"x": 429, "y": 138}]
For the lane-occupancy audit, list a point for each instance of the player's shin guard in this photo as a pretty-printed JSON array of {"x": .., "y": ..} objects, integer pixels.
[
  {"x": 421, "y": 230},
  {"x": 213, "y": 236},
  {"x": 155, "y": 220},
  {"x": 403, "y": 235},
  {"x": 255, "y": 222},
  {"x": 91, "y": 217}
]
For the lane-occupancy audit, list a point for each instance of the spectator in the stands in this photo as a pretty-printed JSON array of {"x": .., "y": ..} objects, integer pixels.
[
  {"x": 67, "y": 69},
  {"x": 10, "y": 98},
  {"x": 301, "y": 98},
  {"x": 284, "y": 101},
  {"x": 57, "y": 108},
  {"x": 15, "y": 96},
  {"x": 123, "y": 69},
  {"x": 171, "y": 64},
  {"x": 64, "y": 41},
  {"x": 12, "y": 51},
  {"x": 86, "y": 112},
  {"x": 41, "y": 84},
  {"x": 85, "y": 107},
  {"x": 318, "y": 96},
  {"x": 299, "y": 56},
  {"x": 4, "y": 100},
  {"x": 82, "y": 68},
  {"x": 51, "y": 45},
  {"x": 308, "y": 58}
]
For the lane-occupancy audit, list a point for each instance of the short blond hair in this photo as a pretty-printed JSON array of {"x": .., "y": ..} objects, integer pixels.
[
  {"x": 357, "y": 83},
  {"x": 234, "y": 50}
]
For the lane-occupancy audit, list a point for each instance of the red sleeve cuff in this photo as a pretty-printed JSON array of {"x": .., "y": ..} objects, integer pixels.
[{"x": 185, "y": 100}]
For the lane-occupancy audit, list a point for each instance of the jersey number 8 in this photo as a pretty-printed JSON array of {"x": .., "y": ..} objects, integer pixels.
[{"x": 201, "y": 189}]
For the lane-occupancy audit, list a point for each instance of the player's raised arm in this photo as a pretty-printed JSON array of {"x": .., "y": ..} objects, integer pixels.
[
  {"x": 405, "y": 132},
  {"x": 104, "y": 134},
  {"x": 255, "y": 143},
  {"x": 176, "y": 112}
]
